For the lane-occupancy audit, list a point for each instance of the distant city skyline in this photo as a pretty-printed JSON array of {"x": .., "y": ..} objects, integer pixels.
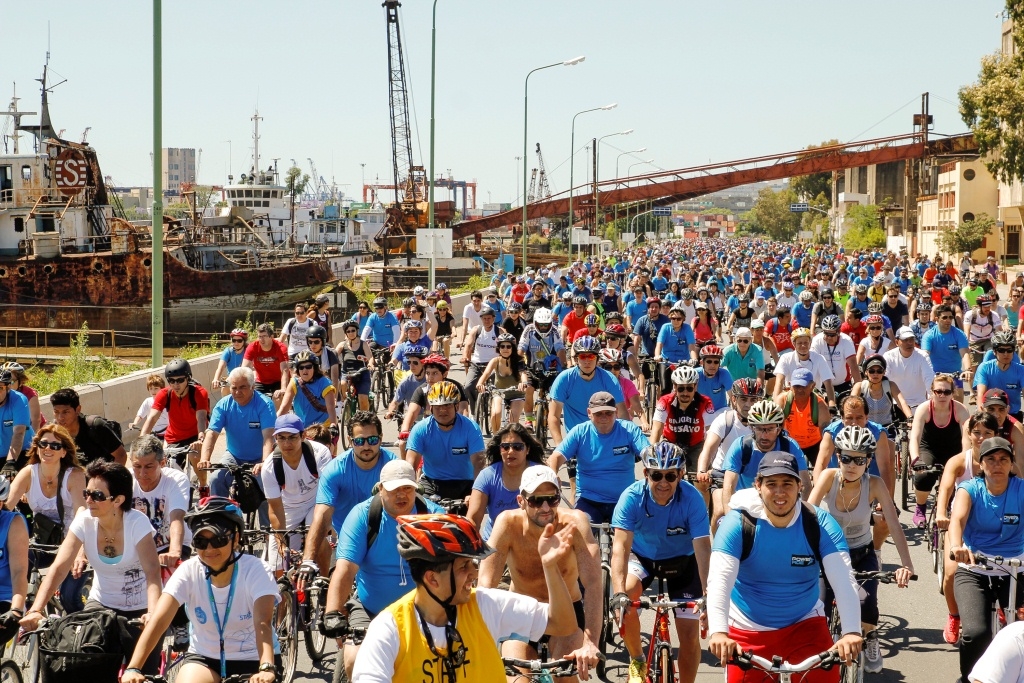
[{"x": 697, "y": 82}]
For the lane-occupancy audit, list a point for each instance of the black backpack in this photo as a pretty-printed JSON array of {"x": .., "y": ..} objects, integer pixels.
[
  {"x": 307, "y": 455},
  {"x": 87, "y": 645},
  {"x": 377, "y": 512},
  {"x": 808, "y": 519},
  {"x": 94, "y": 422},
  {"x": 747, "y": 448},
  {"x": 248, "y": 495}
]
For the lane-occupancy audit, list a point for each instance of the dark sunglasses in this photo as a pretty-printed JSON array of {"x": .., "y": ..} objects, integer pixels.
[
  {"x": 942, "y": 392},
  {"x": 97, "y": 496},
  {"x": 616, "y": 367},
  {"x": 237, "y": 341},
  {"x": 874, "y": 327},
  {"x": 364, "y": 440},
  {"x": 667, "y": 476},
  {"x": 379, "y": 308},
  {"x": 538, "y": 501},
  {"x": 742, "y": 341},
  {"x": 685, "y": 387},
  {"x": 52, "y": 445},
  {"x": 675, "y": 317},
  {"x": 713, "y": 361},
  {"x": 314, "y": 341},
  {"x": 352, "y": 330},
  {"x": 204, "y": 542},
  {"x": 505, "y": 346},
  {"x": 942, "y": 317},
  {"x": 177, "y": 380},
  {"x": 876, "y": 371},
  {"x": 847, "y": 459},
  {"x": 1004, "y": 349},
  {"x": 308, "y": 366},
  {"x": 516, "y": 446}
]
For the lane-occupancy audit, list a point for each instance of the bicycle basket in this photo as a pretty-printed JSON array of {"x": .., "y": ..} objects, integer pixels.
[{"x": 84, "y": 646}]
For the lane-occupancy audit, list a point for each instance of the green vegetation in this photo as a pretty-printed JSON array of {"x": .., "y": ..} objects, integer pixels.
[
  {"x": 296, "y": 183},
  {"x": 813, "y": 186},
  {"x": 192, "y": 351},
  {"x": 475, "y": 282},
  {"x": 78, "y": 368},
  {"x": 968, "y": 236},
  {"x": 863, "y": 228},
  {"x": 771, "y": 215},
  {"x": 991, "y": 108}
]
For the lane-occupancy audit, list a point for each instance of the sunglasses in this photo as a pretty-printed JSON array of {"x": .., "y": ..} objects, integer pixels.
[
  {"x": 304, "y": 367},
  {"x": 379, "y": 308},
  {"x": 237, "y": 341},
  {"x": 657, "y": 476},
  {"x": 616, "y": 367},
  {"x": 97, "y": 496},
  {"x": 517, "y": 446},
  {"x": 204, "y": 542},
  {"x": 742, "y": 341},
  {"x": 847, "y": 459},
  {"x": 365, "y": 440},
  {"x": 586, "y": 356},
  {"x": 876, "y": 371},
  {"x": 177, "y": 380},
  {"x": 314, "y": 341},
  {"x": 943, "y": 317},
  {"x": 713, "y": 361},
  {"x": 52, "y": 445},
  {"x": 675, "y": 317},
  {"x": 538, "y": 501},
  {"x": 1004, "y": 349},
  {"x": 685, "y": 387},
  {"x": 942, "y": 392},
  {"x": 505, "y": 347}
]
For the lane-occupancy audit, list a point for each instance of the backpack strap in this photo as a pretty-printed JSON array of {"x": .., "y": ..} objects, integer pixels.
[
  {"x": 749, "y": 531},
  {"x": 787, "y": 407},
  {"x": 746, "y": 451},
  {"x": 307, "y": 455},
  {"x": 278, "y": 462},
  {"x": 60, "y": 497},
  {"x": 808, "y": 519},
  {"x": 376, "y": 513}
]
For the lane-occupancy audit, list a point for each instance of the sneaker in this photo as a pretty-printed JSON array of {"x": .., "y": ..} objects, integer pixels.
[
  {"x": 920, "y": 516},
  {"x": 637, "y": 671},
  {"x": 951, "y": 634},
  {"x": 872, "y": 654}
]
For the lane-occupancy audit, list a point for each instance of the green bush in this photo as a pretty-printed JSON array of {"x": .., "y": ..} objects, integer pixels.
[{"x": 78, "y": 368}]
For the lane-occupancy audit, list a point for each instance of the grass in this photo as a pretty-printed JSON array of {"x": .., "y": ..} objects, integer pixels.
[{"x": 78, "y": 368}]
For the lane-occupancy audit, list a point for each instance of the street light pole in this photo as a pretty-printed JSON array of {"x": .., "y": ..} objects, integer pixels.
[
  {"x": 597, "y": 168},
  {"x": 629, "y": 174},
  {"x": 635, "y": 151},
  {"x": 572, "y": 159},
  {"x": 430, "y": 182},
  {"x": 526, "y": 115},
  {"x": 157, "y": 272}
]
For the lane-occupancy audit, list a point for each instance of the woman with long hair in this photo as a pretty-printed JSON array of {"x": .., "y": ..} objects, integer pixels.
[
  {"x": 704, "y": 324},
  {"x": 510, "y": 451},
  {"x": 511, "y": 375},
  {"x": 935, "y": 437}
]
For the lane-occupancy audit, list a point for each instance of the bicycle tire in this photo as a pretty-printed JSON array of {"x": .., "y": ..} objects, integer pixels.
[
  {"x": 664, "y": 671},
  {"x": 25, "y": 656},
  {"x": 315, "y": 642},
  {"x": 605, "y": 637},
  {"x": 541, "y": 423},
  {"x": 483, "y": 413},
  {"x": 10, "y": 672},
  {"x": 651, "y": 395},
  {"x": 171, "y": 671},
  {"x": 904, "y": 459},
  {"x": 287, "y": 634},
  {"x": 941, "y": 569},
  {"x": 340, "y": 676}
]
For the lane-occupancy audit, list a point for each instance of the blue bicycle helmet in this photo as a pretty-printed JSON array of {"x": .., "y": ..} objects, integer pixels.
[
  {"x": 586, "y": 345},
  {"x": 664, "y": 455}
]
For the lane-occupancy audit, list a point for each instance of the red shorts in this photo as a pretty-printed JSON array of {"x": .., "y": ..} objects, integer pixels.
[{"x": 794, "y": 644}]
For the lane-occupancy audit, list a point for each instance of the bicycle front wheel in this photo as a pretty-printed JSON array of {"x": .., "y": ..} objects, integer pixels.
[
  {"x": 607, "y": 625},
  {"x": 904, "y": 458},
  {"x": 287, "y": 633},
  {"x": 10, "y": 673},
  {"x": 664, "y": 671},
  {"x": 483, "y": 413},
  {"x": 316, "y": 642},
  {"x": 25, "y": 655}
]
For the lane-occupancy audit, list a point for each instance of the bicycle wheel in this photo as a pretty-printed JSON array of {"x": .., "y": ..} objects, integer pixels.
[
  {"x": 664, "y": 671},
  {"x": 651, "y": 396},
  {"x": 25, "y": 655},
  {"x": 316, "y": 642},
  {"x": 287, "y": 633},
  {"x": 607, "y": 625},
  {"x": 483, "y": 413},
  {"x": 10, "y": 672},
  {"x": 940, "y": 571},
  {"x": 904, "y": 460},
  {"x": 339, "y": 668},
  {"x": 541, "y": 423}
]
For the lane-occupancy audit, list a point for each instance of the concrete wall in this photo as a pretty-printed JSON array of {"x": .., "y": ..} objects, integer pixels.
[{"x": 119, "y": 399}]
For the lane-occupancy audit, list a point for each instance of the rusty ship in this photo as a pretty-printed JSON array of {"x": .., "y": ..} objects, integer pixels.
[{"x": 68, "y": 258}]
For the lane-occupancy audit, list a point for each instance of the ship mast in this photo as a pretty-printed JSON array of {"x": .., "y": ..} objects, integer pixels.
[
  {"x": 16, "y": 115},
  {"x": 256, "y": 145}
]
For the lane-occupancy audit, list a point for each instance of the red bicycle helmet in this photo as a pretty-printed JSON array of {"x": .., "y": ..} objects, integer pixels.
[
  {"x": 439, "y": 538},
  {"x": 748, "y": 386},
  {"x": 615, "y": 330},
  {"x": 711, "y": 351},
  {"x": 438, "y": 360}
]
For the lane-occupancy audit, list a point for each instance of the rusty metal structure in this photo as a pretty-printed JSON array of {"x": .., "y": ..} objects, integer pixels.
[{"x": 668, "y": 187}]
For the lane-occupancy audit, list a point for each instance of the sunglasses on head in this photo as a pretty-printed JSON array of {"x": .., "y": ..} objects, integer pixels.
[
  {"x": 856, "y": 460},
  {"x": 204, "y": 542},
  {"x": 365, "y": 440},
  {"x": 97, "y": 496},
  {"x": 656, "y": 475},
  {"x": 517, "y": 446},
  {"x": 538, "y": 501}
]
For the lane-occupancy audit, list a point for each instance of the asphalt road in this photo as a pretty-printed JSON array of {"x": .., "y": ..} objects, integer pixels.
[{"x": 910, "y": 627}]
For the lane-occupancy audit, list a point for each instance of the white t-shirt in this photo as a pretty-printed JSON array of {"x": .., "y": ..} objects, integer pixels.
[
  {"x": 181, "y": 479},
  {"x": 121, "y": 585},
  {"x": 728, "y": 428},
  {"x": 818, "y": 366},
  {"x": 912, "y": 375},
  {"x": 158, "y": 505},
  {"x": 296, "y": 332},
  {"x": 299, "y": 494},
  {"x": 1003, "y": 661},
  {"x": 189, "y": 586},
  {"x": 835, "y": 356},
  {"x": 470, "y": 317},
  {"x": 161, "y": 422},
  {"x": 504, "y": 613}
]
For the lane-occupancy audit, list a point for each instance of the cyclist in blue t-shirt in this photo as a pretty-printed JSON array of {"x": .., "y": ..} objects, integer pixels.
[
  {"x": 947, "y": 347},
  {"x": 509, "y": 453},
  {"x": 763, "y": 591},
  {"x": 661, "y": 530},
  {"x": 715, "y": 381},
  {"x": 1002, "y": 373},
  {"x": 382, "y": 327},
  {"x": 571, "y": 391},
  {"x": 449, "y": 444}
]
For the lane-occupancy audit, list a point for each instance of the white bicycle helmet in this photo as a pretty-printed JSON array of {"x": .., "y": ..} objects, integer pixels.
[
  {"x": 765, "y": 413},
  {"x": 856, "y": 439},
  {"x": 685, "y": 375},
  {"x": 664, "y": 455},
  {"x": 542, "y": 316},
  {"x": 831, "y": 323}
]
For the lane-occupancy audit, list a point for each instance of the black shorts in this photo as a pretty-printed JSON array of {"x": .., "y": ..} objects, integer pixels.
[
  {"x": 446, "y": 488},
  {"x": 717, "y": 479},
  {"x": 269, "y": 390},
  {"x": 680, "y": 573},
  {"x": 581, "y": 621},
  {"x": 692, "y": 455},
  {"x": 358, "y": 616},
  {"x": 235, "y": 667}
]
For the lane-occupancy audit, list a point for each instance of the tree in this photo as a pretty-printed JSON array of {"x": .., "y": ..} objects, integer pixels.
[
  {"x": 968, "y": 236},
  {"x": 296, "y": 182},
  {"x": 863, "y": 228},
  {"x": 991, "y": 108},
  {"x": 772, "y": 216},
  {"x": 815, "y": 184}
]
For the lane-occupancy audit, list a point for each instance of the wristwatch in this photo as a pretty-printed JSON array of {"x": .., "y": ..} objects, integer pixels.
[{"x": 268, "y": 666}]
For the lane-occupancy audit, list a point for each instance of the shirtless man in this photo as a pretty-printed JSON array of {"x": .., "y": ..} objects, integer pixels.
[{"x": 514, "y": 538}]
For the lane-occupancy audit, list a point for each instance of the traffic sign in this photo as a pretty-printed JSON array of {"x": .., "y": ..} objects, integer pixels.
[
  {"x": 434, "y": 243},
  {"x": 662, "y": 211},
  {"x": 801, "y": 207},
  {"x": 70, "y": 169}
]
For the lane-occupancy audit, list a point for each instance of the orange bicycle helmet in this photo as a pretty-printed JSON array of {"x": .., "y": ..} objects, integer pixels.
[{"x": 439, "y": 538}]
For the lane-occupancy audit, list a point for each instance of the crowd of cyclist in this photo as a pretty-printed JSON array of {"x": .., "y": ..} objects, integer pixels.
[{"x": 744, "y": 376}]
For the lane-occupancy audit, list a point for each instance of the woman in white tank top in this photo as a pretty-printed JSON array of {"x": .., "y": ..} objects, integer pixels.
[
  {"x": 958, "y": 469},
  {"x": 52, "y": 449}
]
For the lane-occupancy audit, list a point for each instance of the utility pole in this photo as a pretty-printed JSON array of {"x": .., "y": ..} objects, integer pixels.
[{"x": 157, "y": 273}]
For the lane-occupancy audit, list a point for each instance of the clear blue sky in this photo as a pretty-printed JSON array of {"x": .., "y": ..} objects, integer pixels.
[{"x": 697, "y": 80}]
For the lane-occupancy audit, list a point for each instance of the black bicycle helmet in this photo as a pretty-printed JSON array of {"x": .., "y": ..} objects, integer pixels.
[
  {"x": 216, "y": 512},
  {"x": 178, "y": 367},
  {"x": 380, "y": 301},
  {"x": 317, "y": 332}
]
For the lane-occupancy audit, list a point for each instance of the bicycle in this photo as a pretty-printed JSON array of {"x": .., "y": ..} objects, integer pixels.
[
  {"x": 1000, "y": 617},
  {"x": 23, "y": 649},
  {"x": 9, "y": 672},
  {"x": 652, "y": 388},
  {"x": 350, "y": 406},
  {"x": 604, "y": 541},
  {"x": 483, "y": 407},
  {"x": 854, "y": 672},
  {"x": 779, "y": 668},
  {"x": 901, "y": 437},
  {"x": 660, "y": 668},
  {"x": 355, "y": 635},
  {"x": 544, "y": 379},
  {"x": 934, "y": 536},
  {"x": 296, "y": 611},
  {"x": 383, "y": 381},
  {"x": 252, "y": 520},
  {"x": 539, "y": 670},
  {"x": 453, "y": 506}
]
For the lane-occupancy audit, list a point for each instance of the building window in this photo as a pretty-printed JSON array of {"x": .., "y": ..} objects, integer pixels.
[
  {"x": 26, "y": 173},
  {"x": 968, "y": 216}
]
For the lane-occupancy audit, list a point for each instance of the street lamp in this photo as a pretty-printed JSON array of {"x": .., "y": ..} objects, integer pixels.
[
  {"x": 597, "y": 168},
  {"x": 635, "y": 151},
  {"x": 629, "y": 173},
  {"x": 430, "y": 183},
  {"x": 572, "y": 159},
  {"x": 526, "y": 112}
]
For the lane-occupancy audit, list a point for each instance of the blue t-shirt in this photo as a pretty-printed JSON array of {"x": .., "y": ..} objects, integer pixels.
[
  {"x": 407, "y": 387},
  {"x": 716, "y": 388},
  {"x": 636, "y": 310},
  {"x": 1010, "y": 380},
  {"x": 343, "y": 484},
  {"x": 362, "y": 320},
  {"x": 659, "y": 283},
  {"x": 648, "y": 331},
  {"x": 778, "y": 583},
  {"x": 302, "y": 406},
  {"x": 13, "y": 413},
  {"x": 446, "y": 454},
  {"x": 662, "y": 532},
  {"x": 381, "y": 331},
  {"x": 803, "y": 314},
  {"x": 675, "y": 344},
  {"x": 574, "y": 393},
  {"x": 604, "y": 462},
  {"x": 994, "y": 524},
  {"x": 232, "y": 359},
  {"x": 944, "y": 349},
  {"x": 836, "y": 426},
  {"x": 383, "y": 575},
  {"x": 406, "y": 346},
  {"x": 499, "y": 498},
  {"x": 734, "y": 460},
  {"x": 244, "y": 425}
]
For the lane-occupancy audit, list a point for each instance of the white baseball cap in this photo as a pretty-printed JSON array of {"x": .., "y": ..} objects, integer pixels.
[{"x": 534, "y": 476}]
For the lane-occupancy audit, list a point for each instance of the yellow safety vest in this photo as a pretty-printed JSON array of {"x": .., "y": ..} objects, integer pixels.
[{"x": 417, "y": 664}]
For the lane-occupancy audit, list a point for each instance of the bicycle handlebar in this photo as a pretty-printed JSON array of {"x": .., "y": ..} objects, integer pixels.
[
  {"x": 556, "y": 668},
  {"x": 881, "y": 577},
  {"x": 777, "y": 665},
  {"x": 982, "y": 560}
]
